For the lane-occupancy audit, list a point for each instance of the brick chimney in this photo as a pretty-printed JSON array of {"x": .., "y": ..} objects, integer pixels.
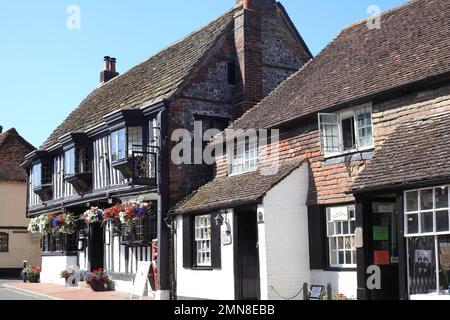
[
  {"x": 248, "y": 42},
  {"x": 109, "y": 70}
]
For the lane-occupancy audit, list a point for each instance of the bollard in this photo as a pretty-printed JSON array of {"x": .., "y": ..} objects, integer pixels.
[{"x": 23, "y": 274}]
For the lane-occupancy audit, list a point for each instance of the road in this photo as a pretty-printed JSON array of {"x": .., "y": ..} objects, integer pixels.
[{"x": 10, "y": 294}]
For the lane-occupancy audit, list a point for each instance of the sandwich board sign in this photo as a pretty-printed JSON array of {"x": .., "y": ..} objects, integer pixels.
[{"x": 141, "y": 279}]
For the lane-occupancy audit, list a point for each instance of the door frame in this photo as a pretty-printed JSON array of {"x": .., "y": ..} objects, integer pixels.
[{"x": 237, "y": 273}]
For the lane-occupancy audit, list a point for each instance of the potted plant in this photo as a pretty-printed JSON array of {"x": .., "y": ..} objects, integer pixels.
[
  {"x": 71, "y": 275},
  {"x": 33, "y": 273},
  {"x": 98, "y": 280}
]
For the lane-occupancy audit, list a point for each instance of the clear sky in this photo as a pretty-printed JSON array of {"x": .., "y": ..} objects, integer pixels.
[{"x": 48, "y": 68}]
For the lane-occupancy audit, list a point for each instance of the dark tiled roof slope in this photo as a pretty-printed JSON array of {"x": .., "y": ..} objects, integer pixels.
[
  {"x": 236, "y": 190},
  {"x": 151, "y": 81},
  {"x": 417, "y": 151},
  {"x": 13, "y": 149},
  {"x": 412, "y": 44}
]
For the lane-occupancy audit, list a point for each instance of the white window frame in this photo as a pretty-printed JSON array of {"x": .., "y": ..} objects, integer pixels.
[
  {"x": 237, "y": 158},
  {"x": 335, "y": 237},
  {"x": 419, "y": 213},
  {"x": 340, "y": 117},
  {"x": 202, "y": 241}
]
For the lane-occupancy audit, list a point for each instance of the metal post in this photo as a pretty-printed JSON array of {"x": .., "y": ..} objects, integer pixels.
[
  {"x": 329, "y": 292},
  {"x": 305, "y": 291}
]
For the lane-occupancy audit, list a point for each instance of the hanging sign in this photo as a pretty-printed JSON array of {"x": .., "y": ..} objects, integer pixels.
[
  {"x": 339, "y": 214},
  {"x": 141, "y": 279},
  {"x": 380, "y": 233}
]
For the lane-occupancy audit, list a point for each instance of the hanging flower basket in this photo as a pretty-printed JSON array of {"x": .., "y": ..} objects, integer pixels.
[
  {"x": 93, "y": 215},
  {"x": 53, "y": 223}
]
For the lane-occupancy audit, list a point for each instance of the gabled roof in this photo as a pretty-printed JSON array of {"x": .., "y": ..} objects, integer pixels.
[
  {"x": 416, "y": 152},
  {"x": 412, "y": 44},
  {"x": 13, "y": 149},
  {"x": 152, "y": 81},
  {"x": 233, "y": 191}
]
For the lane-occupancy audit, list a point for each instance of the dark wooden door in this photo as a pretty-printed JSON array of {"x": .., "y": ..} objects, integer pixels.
[
  {"x": 385, "y": 253},
  {"x": 247, "y": 280},
  {"x": 96, "y": 246}
]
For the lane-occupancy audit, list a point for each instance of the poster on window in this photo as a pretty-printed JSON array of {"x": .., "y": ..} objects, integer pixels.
[
  {"x": 444, "y": 254},
  {"x": 423, "y": 256},
  {"x": 339, "y": 214}
]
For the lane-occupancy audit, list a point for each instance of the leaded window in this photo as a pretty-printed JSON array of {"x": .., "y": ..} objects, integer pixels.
[{"x": 4, "y": 242}]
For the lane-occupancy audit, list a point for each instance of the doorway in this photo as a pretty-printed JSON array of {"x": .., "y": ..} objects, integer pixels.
[
  {"x": 247, "y": 256},
  {"x": 96, "y": 246},
  {"x": 384, "y": 249}
]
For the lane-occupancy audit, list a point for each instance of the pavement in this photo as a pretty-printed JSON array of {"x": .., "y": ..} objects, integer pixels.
[{"x": 16, "y": 290}]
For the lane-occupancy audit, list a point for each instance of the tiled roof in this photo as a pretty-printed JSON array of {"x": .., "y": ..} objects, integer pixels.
[
  {"x": 13, "y": 149},
  {"x": 412, "y": 44},
  {"x": 416, "y": 152},
  {"x": 235, "y": 190},
  {"x": 154, "y": 80}
]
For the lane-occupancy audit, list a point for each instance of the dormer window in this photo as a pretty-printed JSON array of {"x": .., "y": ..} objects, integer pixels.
[
  {"x": 77, "y": 165},
  {"x": 244, "y": 156},
  {"x": 347, "y": 131}
]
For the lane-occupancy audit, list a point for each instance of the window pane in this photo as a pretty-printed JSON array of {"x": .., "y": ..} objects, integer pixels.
[
  {"x": 444, "y": 262},
  {"x": 118, "y": 144},
  {"x": 427, "y": 222},
  {"x": 134, "y": 140},
  {"x": 338, "y": 228},
  {"x": 345, "y": 229},
  {"x": 442, "y": 223},
  {"x": 441, "y": 197},
  {"x": 348, "y": 134},
  {"x": 426, "y": 199},
  {"x": 422, "y": 265},
  {"x": 364, "y": 127},
  {"x": 333, "y": 258},
  {"x": 69, "y": 162},
  {"x": 413, "y": 223},
  {"x": 412, "y": 201},
  {"x": 341, "y": 257},
  {"x": 37, "y": 175},
  {"x": 340, "y": 243},
  {"x": 348, "y": 257}
]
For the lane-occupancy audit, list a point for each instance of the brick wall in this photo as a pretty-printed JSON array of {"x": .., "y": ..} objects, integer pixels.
[
  {"x": 264, "y": 50},
  {"x": 330, "y": 179}
]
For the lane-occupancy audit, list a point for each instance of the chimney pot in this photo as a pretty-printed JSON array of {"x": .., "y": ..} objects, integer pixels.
[
  {"x": 113, "y": 64},
  {"x": 107, "y": 64}
]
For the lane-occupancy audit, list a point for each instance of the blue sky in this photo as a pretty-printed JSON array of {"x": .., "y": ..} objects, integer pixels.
[{"x": 47, "y": 68}]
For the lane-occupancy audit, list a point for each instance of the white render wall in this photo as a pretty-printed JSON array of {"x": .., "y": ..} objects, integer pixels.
[
  {"x": 201, "y": 284},
  {"x": 283, "y": 238},
  {"x": 341, "y": 282},
  {"x": 52, "y": 267}
]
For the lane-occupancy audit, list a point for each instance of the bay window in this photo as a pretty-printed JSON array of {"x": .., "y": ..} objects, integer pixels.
[
  {"x": 427, "y": 229},
  {"x": 341, "y": 227},
  {"x": 244, "y": 156},
  {"x": 346, "y": 131}
]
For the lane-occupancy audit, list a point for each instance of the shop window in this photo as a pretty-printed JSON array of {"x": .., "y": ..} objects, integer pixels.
[
  {"x": 341, "y": 236},
  {"x": 347, "y": 131},
  {"x": 427, "y": 228},
  {"x": 4, "y": 242}
]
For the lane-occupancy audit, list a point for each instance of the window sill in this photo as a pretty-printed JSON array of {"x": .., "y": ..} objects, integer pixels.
[
  {"x": 202, "y": 269},
  {"x": 241, "y": 173},
  {"x": 348, "y": 153},
  {"x": 340, "y": 269}
]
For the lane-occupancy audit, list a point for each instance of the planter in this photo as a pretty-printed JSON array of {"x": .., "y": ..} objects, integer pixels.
[
  {"x": 33, "y": 279},
  {"x": 98, "y": 286}
]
